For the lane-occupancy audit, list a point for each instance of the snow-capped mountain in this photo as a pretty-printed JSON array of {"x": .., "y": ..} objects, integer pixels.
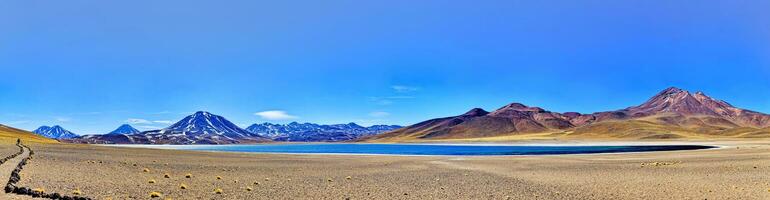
[
  {"x": 309, "y": 132},
  {"x": 124, "y": 129},
  {"x": 206, "y": 123},
  {"x": 198, "y": 128},
  {"x": 55, "y": 132}
]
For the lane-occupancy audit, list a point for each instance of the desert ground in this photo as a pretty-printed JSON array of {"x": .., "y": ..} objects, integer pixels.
[{"x": 739, "y": 170}]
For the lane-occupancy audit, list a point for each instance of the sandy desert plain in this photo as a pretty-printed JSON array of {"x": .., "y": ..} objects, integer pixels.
[{"x": 737, "y": 170}]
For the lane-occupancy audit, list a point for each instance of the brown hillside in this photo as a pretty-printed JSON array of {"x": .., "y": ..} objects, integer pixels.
[
  {"x": 670, "y": 114},
  {"x": 10, "y": 134}
]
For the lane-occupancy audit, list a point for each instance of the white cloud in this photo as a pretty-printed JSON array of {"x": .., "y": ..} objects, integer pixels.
[
  {"x": 138, "y": 121},
  {"x": 275, "y": 115},
  {"x": 404, "y": 88},
  {"x": 163, "y": 121},
  {"x": 379, "y": 114},
  {"x": 384, "y": 101}
]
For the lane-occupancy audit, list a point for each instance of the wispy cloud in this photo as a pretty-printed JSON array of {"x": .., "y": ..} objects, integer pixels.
[
  {"x": 275, "y": 115},
  {"x": 404, "y": 88},
  {"x": 138, "y": 121},
  {"x": 163, "y": 121},
  {"x": 19, "y": 122},
  {"x": 388, "y": 100},
  {"x": 62, "y": 119},
  {"x": 379, "y": 114},
  {"x": 381, "y": 101}
]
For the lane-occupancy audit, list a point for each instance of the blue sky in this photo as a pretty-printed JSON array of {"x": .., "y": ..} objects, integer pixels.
[{"x": 91, "y": 66}]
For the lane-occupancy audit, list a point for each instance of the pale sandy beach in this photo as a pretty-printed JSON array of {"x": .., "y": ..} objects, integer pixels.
[{"x": 737, "y": 171}]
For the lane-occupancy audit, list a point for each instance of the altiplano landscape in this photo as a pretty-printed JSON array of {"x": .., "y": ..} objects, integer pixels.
[
  {"x": 735, "y": 168},
  {"x": 384, "y": 99}
]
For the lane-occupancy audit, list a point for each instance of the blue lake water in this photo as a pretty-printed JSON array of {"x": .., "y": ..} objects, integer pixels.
[{"x": 427, "y": 149}]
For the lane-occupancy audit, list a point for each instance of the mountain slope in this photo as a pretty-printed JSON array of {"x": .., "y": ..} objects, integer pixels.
[
  {"x": 198, "y": 128},
  {"x": 672, "y": 113},
  {"x": 124, "y": 129},
  {"x": 55, "y": 132},
  {"x": 10, "y": 134},
  {"x": 684, "y": 103},
  {"x": 309, "y": 132}
]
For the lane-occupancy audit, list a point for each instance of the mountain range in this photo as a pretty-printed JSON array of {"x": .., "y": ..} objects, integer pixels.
[
  {"x": 309, "y": 132},
  {"x": 55, "y": 132},
  {"x": 198, "y": 128},
  {"x": 672, "y": 113},
  {"x": 206, "y": 128}
]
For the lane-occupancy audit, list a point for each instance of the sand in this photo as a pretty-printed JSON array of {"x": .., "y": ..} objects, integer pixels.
[{"x": 737, "y": 171}]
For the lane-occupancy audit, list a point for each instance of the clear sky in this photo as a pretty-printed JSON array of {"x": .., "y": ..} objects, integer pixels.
[{"x": 93, "y": 65}]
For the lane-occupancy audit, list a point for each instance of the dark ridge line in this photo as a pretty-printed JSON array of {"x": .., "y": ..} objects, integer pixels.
[{"x": 11, "y": 187}]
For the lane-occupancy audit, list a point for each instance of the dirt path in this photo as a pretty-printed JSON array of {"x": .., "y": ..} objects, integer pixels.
[{"x": 5, "y": 174}]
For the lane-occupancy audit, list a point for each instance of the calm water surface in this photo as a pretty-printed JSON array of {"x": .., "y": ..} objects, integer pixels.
[{"x": 426, "y": 149}]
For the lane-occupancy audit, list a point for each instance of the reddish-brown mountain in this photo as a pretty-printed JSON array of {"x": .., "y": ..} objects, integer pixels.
[{"x": 672, "y": 113}]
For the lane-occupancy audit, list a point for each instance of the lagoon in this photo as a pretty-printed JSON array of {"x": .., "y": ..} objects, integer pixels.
[{"x": 426, "y": 149}]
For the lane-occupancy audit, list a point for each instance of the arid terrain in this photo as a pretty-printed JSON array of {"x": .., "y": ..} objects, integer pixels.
[
  {"x": 671, "y": 114},
  {"x": 736, "y": 171}
]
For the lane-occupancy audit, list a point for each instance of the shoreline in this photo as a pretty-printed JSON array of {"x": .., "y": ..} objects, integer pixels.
[{"x": 710, "y": 146}]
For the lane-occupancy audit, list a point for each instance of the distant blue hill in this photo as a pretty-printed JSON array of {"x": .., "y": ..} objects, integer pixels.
[
  {"x": 55, "y": 132},
  {"x": 124, "y": 130}
]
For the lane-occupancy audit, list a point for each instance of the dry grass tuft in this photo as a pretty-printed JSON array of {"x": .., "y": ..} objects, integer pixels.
[
  {"x": 182, "y": 186},
  {"x": 77, "y": 192},
  {"x": 166, "y": 176},
  {"x": 188, "y": 175},
  {"x": 151, "y": 181},
  {"x": 146, "y": 170},
  {"x": 218, "y": 191},
  {"x": 154, "y": 194},
  {"x": 249, "y": 189},
  {"x": 658, "y": 164}
]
